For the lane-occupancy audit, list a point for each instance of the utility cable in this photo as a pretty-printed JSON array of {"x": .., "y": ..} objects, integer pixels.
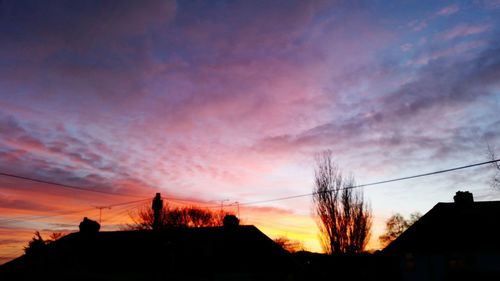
[
  {"x": 68, "y": 186},
  {"x": 34, "y": 218},
  {"x": 372, "y": 183}
]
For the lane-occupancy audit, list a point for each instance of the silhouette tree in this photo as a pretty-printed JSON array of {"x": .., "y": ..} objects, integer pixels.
[
  {"x": 175, "y": 217},
  {"x": 35, "y": 245},
  {"x": 55, "y": 236},
  {"x": 396, "y": 225},
  {"x": 197, "y": 217},
  {"x": 289, "y": 245},
  {"x": 344, "y": 217}
]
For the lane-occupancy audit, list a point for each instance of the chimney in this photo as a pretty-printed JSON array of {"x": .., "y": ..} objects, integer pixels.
[
  {"x": 231, "y": 222},
  {"x": 157, "y": 206},
  {"x": 88, "y": 226},
  {"x": 463, "y": 198}
]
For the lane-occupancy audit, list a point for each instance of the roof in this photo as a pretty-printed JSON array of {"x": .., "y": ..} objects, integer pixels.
[
  {"x": 452, "y": 227},
  {"x": 180, "y": 252}
]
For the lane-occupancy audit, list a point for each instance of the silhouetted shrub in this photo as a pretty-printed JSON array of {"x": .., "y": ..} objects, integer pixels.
[{"x": 35, "y": 245}]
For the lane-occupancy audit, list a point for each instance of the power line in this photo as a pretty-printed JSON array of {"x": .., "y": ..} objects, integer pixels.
[
  {"x": 261, "y": 201},
  {"x": 68, "y": 186},
  {"x": 100, "y": 208},
  {"x": 35, "y": 218},
  {"x": 374, "y": 183},
  {"x": 96, "y": 191},
  {"x": 128, "y": 203},
  {"x": 183, "y": 201},
  {"x": 126, "y": 210}
]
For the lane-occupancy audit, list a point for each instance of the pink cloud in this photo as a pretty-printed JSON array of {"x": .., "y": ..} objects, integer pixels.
[
  {"x": 459, "y": 49},
  {"x": 448, "y": 10},
  {"x": 421, "y": 24},
  {"x": 203, "y": 109},
  {"x": 418, "y": 25},
  {"x": 464, "y": 30},
  {"x": 266, "y": 210}
]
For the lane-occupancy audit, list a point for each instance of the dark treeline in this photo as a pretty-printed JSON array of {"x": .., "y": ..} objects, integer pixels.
[{"x": 192, "y": 216}]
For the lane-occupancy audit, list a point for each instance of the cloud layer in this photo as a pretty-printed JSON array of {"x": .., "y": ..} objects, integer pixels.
[{"x": 231, "y": 100}]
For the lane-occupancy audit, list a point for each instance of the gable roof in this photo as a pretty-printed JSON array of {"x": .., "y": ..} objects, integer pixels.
[
  {"x": 181, "y": 252},
  {"x": 452, "y": 227}
]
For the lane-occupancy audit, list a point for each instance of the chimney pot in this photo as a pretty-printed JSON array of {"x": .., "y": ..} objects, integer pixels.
[
  {"x": 463, "y": 198},
  {"x": 231, "y": 221}
]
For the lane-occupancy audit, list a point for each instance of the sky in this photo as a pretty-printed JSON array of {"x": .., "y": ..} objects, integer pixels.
[{"x": 229, "y": 101}]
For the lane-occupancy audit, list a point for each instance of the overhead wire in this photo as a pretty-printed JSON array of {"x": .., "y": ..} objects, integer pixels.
[
  {"x": 35, "y": 218},
  {"x": 371, "y": 184},
  {"x": 252, "y": 202},
  {"x": 128, "y": 202},
  {"x": 109, "y": 219},
  {"x": 68, "y": 186},
  {"x": 138, "y": 202},
  {"x": 95, "y": 190},
  {"x": 184, "y": 201}
]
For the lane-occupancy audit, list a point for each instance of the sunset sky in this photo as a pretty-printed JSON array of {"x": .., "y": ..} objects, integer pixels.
[{"x": 206, "y": 101}]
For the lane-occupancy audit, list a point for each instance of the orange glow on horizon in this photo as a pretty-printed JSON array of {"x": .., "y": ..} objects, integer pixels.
[{"x": 274, "y": 223}]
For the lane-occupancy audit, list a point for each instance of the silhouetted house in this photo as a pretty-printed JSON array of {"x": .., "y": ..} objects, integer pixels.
[
  {"x": 453, "y": 241},
  {"x": 212, "y": 253}
]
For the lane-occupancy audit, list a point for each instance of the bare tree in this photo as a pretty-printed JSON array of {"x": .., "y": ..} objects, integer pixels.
[
  {"x": 344, "y": 217},
  {"x": 55, "y": 236},
  {"x": 289, "y": 245},
  {"x": 495, "y": 182},
  {"x": 396, "y": 225},
  {"x": 175, "y": 217},
  {"x": 37, "y": 243}
]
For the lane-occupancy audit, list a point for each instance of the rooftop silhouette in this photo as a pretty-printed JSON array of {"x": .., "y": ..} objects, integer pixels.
[
  {"x": 453, "y": 241},
  {"x": 241, "y": 252}
]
